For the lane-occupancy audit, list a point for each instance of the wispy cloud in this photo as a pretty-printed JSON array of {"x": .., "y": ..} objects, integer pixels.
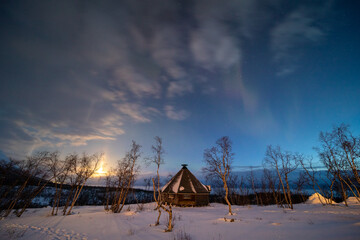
[
  {"x": 31, "y": 134},
  {"x": 168, "y": 51},
  {"x": 137, "y": 112},
  {"x": 296, "y": 30},
  {"x": 136, "y": 83},
  {"x": 179, "y": 88},
  {"x": 174, "y": 114},
  {"x": 213, "y": 47}
]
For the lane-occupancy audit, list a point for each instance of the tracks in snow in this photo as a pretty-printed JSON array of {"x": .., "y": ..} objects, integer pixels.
[{"x": 19, "y": 230}]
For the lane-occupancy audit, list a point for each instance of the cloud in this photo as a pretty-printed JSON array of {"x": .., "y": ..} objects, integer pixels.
[
  {"x": 298, "y": 29},
  {"x": 208, "y": 90},
  {"x": 137, "y": 112},
  {"x": 213, "y": 47},
  {"x": 216, "y": 45},
  {"x": 286, "y": 70},
  {"x": 168, "y": 51},
  {"x": 244, "y": 18},
  {"x": 174, "y": 114},
  {"x": 28, "y": 133},
  {"x": 136, "y": 83},
  {"x": 179, "y": 88},
  {"x": 86, "y": 76}
]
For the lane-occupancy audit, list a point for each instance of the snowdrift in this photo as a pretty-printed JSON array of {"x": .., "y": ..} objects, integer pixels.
[
  {"x": 351, "y": 201},
  {"x": 317, "y": 198}
]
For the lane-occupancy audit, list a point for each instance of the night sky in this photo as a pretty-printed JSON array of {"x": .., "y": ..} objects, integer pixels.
[{"x": 94, "y": 75}]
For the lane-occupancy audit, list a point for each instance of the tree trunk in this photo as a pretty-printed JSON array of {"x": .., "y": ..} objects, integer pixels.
[
  {"x": 157, "y": 200},
  {"x": 169, "y": 211},
  {"x": 30, "y": 200},
  {"x": 170, "y": 220},
  {"x": 68, "y": 199},
  {"x": 59, "y": 198},
  {"x": 282, "y": 186},
  {"x": 158, "y": 218},
  {"x": 76, "y": 196},
  {"x": 55, "y": 199},
  {"x": 288, "y": 191},
  {"x": 226, "y": 195},
  {"x": 18, "y": 194},
  {"x": 124, "y": 199}
]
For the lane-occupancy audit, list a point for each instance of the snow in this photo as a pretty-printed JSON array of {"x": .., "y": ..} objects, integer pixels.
[
  {"x": 207, "y": 189},
  {"x": 192, "y": 187},
  {"x": 164, "y": 187},
  {"x": 312, "y": 221},
  {"x": 176, "y": 185},
  {"x": 317, "y": 198},
  {"x": 351, "y": 201}
]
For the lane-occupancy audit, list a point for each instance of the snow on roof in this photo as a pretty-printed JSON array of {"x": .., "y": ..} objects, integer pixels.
[
  {"x": 166, "y": 185},
  {"x": 192, "y": 187},
  {"x": 185, "y": 182},
  {"x": 176, "y": 184}
]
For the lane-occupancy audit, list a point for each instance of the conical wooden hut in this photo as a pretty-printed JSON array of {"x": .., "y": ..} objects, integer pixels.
[{"x": 184, "y": 189}]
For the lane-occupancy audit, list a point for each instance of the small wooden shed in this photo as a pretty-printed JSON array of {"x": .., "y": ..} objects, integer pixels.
[{"x": 184, "y": 189}]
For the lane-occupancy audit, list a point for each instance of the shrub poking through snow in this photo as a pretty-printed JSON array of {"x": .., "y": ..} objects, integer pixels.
[
  {"x": 182, "y": 235},
  {"x": 131, "y": 232},
  {"x": 229, "y": 219}
]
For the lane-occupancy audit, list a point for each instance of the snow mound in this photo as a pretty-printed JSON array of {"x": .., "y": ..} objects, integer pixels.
[
  {"x": 129, "y": 213},
  {"x": 351, "y": 201},
  {"x": 224, "y": 219},
  {"x": 317, "y": 198}
]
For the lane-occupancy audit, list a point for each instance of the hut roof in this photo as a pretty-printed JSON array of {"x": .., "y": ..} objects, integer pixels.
[{"x": 184, "y": 182}]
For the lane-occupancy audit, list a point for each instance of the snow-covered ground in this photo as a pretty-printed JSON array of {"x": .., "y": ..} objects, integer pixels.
[{"x": 306, "y": 221}]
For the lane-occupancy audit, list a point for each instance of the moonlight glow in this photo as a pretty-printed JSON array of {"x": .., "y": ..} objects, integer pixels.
[{"x": 100, "y": 172}]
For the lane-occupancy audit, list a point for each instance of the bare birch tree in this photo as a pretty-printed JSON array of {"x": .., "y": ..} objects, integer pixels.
[
  {"x": 60, "y": 172},
  {"x": 49, "y": 160},
  {"x": 126, "y": 172},
  {"x": 272, "y": 184},
  {"x": 157, "y": 159},
  {"x": 34, "y": 167},
  {"x": 167, "y": 207},
  {"x": 328, "y": 154},
  {"x": 8, "y": 169},
  {"x": 284, "y": 163},
  {"x": 73, "y": 179},
  {"x": 218, "y": 160},
  {"x": 84, "y": 168},
  {"x": 340, "y": 152},
  {"x": 252, "y": 181},
  {"x": 312, "y": 177},
  {"x": 109, "y": 186}
]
